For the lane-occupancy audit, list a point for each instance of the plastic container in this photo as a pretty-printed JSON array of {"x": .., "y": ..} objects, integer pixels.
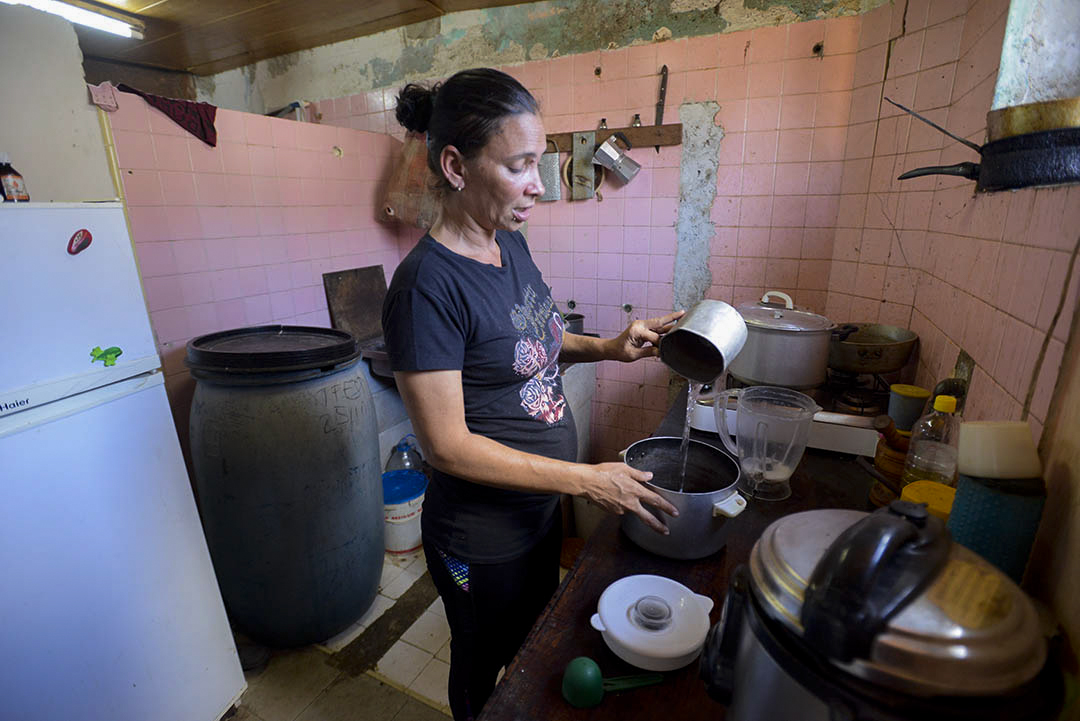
[
  {"x": 937, "y": 496},
  {"x": 997, "y": 518},
  {"x": 933, "y": 453},
  {"x": 998, "y": 449},
  {"x": 652, "y": 622},
  {"x": 403, "y": 498},
  {"x": 285, "y": 449},
  {"x": 12, "y": 185},
  {"x": 906, "y": 403},
  {"x": 405, "y": 456}
]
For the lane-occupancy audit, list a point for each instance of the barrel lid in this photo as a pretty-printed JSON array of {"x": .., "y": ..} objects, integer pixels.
[
  {"x": 402, "y": 486},
  {"x": 271, "y": 349}
]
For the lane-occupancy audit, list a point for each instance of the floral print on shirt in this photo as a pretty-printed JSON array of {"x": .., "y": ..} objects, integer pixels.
[{"x": 536, "y": 355}]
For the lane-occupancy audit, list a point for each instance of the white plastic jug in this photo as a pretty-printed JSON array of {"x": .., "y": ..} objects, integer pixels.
[{"x": 771, "y": 428}]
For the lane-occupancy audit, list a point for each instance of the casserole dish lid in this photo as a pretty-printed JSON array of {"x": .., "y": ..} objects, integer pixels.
[{"x": 654, "y": 616}]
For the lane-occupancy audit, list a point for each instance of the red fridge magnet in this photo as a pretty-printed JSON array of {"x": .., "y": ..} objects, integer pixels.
[{"x": 80, "y": 241}]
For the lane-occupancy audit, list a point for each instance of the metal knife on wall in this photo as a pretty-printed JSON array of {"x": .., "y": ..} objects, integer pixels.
[{"x": 660, "y": 102}]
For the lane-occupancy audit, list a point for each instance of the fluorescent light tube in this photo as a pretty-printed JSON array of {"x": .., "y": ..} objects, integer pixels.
[{"x": 81, "y": 16}]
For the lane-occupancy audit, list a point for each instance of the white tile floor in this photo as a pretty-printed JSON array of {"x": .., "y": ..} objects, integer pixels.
[
  {"x": 419, "y": 661},
  {"x": 407, "y": 684}
]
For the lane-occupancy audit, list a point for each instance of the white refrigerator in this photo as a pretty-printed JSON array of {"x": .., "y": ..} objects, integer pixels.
[{"x": 109, "y": 608}]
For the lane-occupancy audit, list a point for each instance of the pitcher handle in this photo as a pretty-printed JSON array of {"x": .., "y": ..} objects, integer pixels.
[{"x": 720, "y": 403}]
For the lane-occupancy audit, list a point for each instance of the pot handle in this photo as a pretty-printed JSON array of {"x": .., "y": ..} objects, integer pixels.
[
  {"x": 841, "y": 333},
  {"x": 717, "y": 665},
  {"x": 596, "y": 623},
  {"x": 720, "y": 413},
  {"x": 730, "y": 507},
  {"x": 706, "y": 603},
  {"x": 788, "y": 302}
]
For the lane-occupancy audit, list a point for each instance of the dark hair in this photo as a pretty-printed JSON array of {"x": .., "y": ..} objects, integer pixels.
[{"x": 465, "y": 111}]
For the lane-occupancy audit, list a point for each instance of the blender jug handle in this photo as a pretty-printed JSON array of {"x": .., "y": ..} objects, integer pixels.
[{"x": 720, "y": 404}]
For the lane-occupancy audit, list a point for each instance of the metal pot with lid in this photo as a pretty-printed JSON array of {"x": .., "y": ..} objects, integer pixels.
[
  {"x": 784, "y": 346},
  {"x": 848, "y": 615}
]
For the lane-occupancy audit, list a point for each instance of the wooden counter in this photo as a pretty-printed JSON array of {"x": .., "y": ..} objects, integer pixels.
[{"x": 531, "y": 687}]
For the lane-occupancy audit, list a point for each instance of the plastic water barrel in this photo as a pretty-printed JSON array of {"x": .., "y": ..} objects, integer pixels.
[
  {"x": 403, "y": 496},
  {"x": 285, "y": 450}
]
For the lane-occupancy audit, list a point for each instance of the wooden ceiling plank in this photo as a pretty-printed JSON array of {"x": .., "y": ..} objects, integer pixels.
[
  {"x": 263, "y": 51},
  {"x": 209, "y": 37},
  {"x": 276, "y": 40}
]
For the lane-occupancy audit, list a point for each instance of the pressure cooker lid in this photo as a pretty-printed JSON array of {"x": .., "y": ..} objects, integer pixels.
[
  {"x": 271, "y": 349},
  {"x": 903, "y": 607},
  {"x": 761, "y": 315}
]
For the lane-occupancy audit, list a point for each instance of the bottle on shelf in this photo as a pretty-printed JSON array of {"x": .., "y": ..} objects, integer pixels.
[
  {"x": 932, "y": 452},
  {"x": 405, "y": 456},
  {"x": 12, "y": 185}
]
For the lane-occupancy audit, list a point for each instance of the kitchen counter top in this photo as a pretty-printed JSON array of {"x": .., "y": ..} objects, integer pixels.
[{"x": 531, "y": 686}]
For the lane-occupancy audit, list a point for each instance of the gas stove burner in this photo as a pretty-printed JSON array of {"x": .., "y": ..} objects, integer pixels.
[
  {"x": 872, "y": 383},
  {"x": 845, "y": 380},
  {"x": 858, "y": 401}
]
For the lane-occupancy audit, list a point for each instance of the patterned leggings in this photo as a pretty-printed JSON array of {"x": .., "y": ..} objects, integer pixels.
[{"x": 490, "y": 608}]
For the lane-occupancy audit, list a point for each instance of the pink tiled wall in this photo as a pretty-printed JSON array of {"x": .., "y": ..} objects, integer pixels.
[
  {"x": 240, "y": 234},
  {"x": 985, "y": 272},
  {"x": 784, "y": 113},
  {"x": 806, "y": 196}
]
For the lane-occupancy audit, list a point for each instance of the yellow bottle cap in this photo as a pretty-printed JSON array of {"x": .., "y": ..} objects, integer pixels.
[
  {"x": 946, "y": 404},
  {"x": 909, "y": 391},
  {"x": 937, "y": 496}
]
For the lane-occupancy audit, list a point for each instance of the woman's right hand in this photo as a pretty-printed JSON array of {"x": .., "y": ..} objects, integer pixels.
[{"x": 618, "y": 489}]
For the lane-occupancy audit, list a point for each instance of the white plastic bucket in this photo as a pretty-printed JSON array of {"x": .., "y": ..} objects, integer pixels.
[{"x": 404, "y": 496}]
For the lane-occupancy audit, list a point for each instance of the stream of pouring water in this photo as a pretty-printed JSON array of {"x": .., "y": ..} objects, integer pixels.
[{"x": 692, "y": 393}]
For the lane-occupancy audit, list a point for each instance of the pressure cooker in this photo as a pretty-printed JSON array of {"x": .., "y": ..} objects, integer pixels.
[{"x": 844, "y": 615}]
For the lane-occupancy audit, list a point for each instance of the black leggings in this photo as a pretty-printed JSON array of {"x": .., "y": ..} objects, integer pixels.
[{"x": 489, "y": 622}]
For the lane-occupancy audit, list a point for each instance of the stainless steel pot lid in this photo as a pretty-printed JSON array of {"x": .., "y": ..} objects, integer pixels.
[
  {"x": 968, "y": 630},
  {"x": 759, "y": 315}
]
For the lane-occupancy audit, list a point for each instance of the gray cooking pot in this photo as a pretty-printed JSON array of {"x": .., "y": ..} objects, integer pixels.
[
  {"x": 706, "y": 503},
  {"x": 784, "y": 346}
]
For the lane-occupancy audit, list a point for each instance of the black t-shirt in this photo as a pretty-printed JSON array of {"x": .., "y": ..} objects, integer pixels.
[{"x": 501, "y": 329}]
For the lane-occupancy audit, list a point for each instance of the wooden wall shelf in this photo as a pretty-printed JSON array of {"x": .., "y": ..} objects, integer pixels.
[{"x": 640, "y": 137}]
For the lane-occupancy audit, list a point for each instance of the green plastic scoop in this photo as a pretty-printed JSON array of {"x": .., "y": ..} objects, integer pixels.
[{"x": 583, "y": 686}]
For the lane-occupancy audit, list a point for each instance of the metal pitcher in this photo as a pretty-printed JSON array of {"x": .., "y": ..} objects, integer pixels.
[
  {"x": 705, "y": 341},
  {"x": 549, "y": 175}
]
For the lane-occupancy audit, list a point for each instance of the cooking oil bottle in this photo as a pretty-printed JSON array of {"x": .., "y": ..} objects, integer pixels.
[{"x": 933, "y": 451}]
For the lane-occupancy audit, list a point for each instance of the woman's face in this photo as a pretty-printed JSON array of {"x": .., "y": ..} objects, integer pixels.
[{"x": 502, "y": 182}]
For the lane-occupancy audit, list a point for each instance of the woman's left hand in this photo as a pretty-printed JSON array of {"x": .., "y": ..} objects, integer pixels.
[{"x": 641, "y": 339}]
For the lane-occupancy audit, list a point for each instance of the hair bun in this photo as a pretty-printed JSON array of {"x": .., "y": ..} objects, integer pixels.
[{"x": 414, "y": 105}]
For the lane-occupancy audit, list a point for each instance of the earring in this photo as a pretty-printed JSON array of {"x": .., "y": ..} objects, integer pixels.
[{"x": 459, "y": 188}]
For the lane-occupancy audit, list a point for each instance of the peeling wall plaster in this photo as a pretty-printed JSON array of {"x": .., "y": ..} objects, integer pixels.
[
  {"x": 1040, "y": 59},
  {"x": 495, "y": 36},
  {"x": 701, "y": 138}
]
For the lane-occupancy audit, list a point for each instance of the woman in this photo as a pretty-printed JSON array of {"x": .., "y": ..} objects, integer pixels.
[{"x": 475, "y": 339}]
